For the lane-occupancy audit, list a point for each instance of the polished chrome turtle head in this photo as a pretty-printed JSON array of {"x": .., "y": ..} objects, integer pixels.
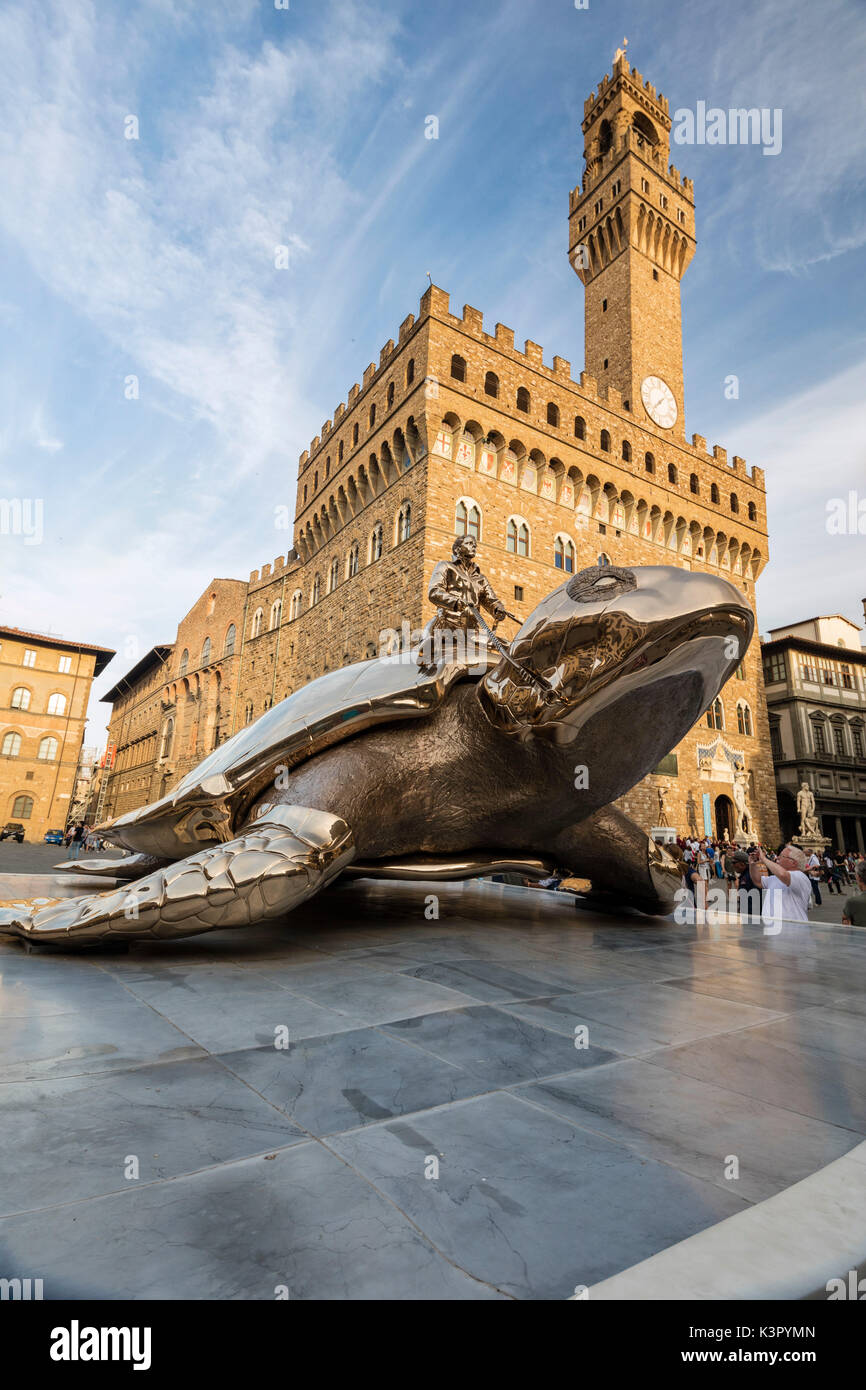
[{"x": 608, "y": 633}]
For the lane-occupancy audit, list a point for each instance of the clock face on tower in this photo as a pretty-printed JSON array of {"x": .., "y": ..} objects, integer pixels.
[{"x": 659, "y": 403}]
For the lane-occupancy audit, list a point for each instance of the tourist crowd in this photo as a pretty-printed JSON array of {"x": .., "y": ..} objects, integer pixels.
[
  {"x": 80, "y": 837},
  {"x": 785, "y": 880}
]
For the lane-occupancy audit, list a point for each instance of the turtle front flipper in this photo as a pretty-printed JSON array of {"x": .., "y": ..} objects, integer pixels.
[
  {"x": 283, "y": 858},
  {"x": 620, "y": 860}
]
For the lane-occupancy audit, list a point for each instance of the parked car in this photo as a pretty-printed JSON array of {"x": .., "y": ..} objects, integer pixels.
[
  {"x": 53, "y": 837},
  {"x": 13, "y": 830}
]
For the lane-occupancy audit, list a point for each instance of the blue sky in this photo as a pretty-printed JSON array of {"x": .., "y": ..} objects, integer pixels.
[{"x": 304, "y": 127}]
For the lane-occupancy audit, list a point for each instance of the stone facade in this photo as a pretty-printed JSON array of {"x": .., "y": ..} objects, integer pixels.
[
  {"x": 44, "y": 689},
  {"x": 456, "y": 428},
  {"x": 815, "y": 679},
  {"x": 130, "y": 765},
  {"x": 178, "y": 702}
]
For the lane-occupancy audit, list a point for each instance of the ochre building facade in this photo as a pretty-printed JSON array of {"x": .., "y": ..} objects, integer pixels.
[
  {"x": 44, "y": 689},
  {"x": 457, "y": 429}
]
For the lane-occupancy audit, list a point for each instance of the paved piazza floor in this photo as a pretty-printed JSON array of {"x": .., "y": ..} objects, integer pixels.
[{"x": 363, "y": 1102}]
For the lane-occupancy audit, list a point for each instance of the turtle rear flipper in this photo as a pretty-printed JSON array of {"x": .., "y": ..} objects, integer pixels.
[
  {"x": 283, "y": 858},
  {"x": 130, "y": 866},
  {"x": 620, "y": 860}
]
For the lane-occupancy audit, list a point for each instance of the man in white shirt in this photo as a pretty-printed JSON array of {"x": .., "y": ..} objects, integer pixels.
[{"x": 786, "y": 886}]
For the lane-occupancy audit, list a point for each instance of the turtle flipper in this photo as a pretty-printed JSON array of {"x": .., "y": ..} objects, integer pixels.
[
  {"x": 620, "y": 859},
  {"x": 279, "y": 861},
  {"x": 130, "y": 866}
]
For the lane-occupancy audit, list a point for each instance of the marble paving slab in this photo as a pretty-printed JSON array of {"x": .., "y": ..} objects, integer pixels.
[{"x": 284, "y": 1089}]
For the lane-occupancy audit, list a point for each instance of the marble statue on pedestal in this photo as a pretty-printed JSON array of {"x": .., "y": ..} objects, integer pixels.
[{"x": 809, "y": 827}]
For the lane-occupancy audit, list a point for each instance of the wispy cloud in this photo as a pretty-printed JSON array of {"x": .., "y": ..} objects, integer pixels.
[
  {"x": 167, "y": 243},
  {"x": 813, "y": 449},
  {"x": 155, "y": 258}
]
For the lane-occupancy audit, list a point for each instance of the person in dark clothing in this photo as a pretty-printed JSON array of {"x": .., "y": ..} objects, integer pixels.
[
  {"x": 831, "y": 874},
  {"x": 747, "y": 905},
  {"x": 75, "y": 845}
]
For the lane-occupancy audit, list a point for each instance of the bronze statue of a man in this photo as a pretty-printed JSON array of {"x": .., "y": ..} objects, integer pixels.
[{"x": 456, "y": 587}]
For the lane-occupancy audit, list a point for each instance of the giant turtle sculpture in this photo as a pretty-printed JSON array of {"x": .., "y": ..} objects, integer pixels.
[{"x": 392, "y": 769}]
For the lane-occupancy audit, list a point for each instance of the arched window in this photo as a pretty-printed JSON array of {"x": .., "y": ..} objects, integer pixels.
[
  {"x": 603, "y": 560},
  {"x": 404, "y": 522},
  {"x": 248, "y": 712},
  {"x": 231, "y": 638},
  {"x": 644, "y": 127},
  {"x": 355, "y": 432},
  {"x": 340, "y": 452},
  {"x": 297, "y": 601},
  {"x": 48, "y": 749},
  {"x": 21, "y": 698},
  {"x": 333, "y": 574},
  {"x": 553, "y": 414},
  {"x": 563, "y": 554},
  {"x": 517, "y": 537},
  {"x": 184, "y": 662},
  {"x": 167, "y": 739},
  {"x": 491, "y": 384},
  {"x": 316, "y": 590},
  {"x": 458, "y": 367},
  {"x": 716, "y": 716},
  {"x": 205, "y": 651},
  {"x": 11, "y": 745},
  {"x": 376, "y": 543},
  {"x": 649, "y": 463},
  {"x": 753, "y": 512},
  {"x": 56, "y": 704},
  {"x": 352, "y": 563},
  {"x": 315, "y": 480},
  {"x": 626, "y": 451},
  {"x": 328, "y": 466},
  {"x": 390, "y": 394},
  {"x": 579, "y": 427},
  {"x": 604, "y": 441},
  {"x": 372, "y": 415},
  {"x": 694, "y": 485},
  {"x": 714, "y": 493},
  {"x": 744, "y": 719},
  {"x": 467, "y": 520},
  {"x": 740, "y": 672},
  {"x": 672, "y": 473},
  {"x": 523, "y": 401},
  {"x": 22, "y": 808},
  {"x": 410, "y": 371},
  {"x": 276, "y": 615},
  {"x": 735, "y": 503},
  {"x": 258, "y": 619},
  {"x": 305, "y": 494}
]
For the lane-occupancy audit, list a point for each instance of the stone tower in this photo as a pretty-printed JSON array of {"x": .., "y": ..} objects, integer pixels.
[{"x": 631, "y": 236}]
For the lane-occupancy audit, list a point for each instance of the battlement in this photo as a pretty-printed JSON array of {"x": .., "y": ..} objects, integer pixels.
[
  {"x": 436, "y": 303},
  {"x": 283, "y": 564},
  {"x": 371, "y": 373},
  {"x": 631, "y": 139},
  {"x": 622, "y": 69}
]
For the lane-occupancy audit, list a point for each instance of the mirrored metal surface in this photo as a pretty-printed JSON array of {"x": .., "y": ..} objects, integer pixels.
[{"x": 387, "y": 763}]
